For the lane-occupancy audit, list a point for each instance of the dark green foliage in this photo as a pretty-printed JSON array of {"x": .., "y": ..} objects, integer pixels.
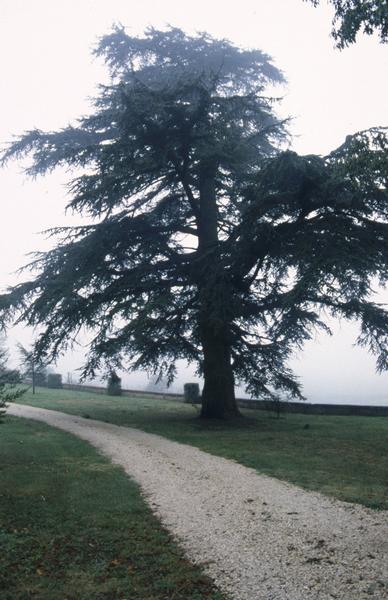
[
  {"x": 352, "y": 16},
  {"x": 191, "y": 393},
  {"x": 114, "y": 385},
  {"x": 54, "y": 380},
  {"x": 209, "y": 242},
  {"x": 41, "y": 378},
  {"x": 9, "y": 382}
]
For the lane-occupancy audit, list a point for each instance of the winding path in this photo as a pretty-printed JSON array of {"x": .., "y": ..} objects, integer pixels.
[{"x": 257, "y": 537}]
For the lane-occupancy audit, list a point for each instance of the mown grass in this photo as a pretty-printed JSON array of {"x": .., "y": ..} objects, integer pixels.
[
  {"x": 344, "y": 457},
  {"x": 73, "y": 526}
]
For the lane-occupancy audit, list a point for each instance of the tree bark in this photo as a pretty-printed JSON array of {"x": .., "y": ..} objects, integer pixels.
[{"x": 218, "y": 398}]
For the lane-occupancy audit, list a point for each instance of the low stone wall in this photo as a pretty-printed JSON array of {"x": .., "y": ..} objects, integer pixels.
[
  {"x": 96, "y": 389},
  {"x": 317, "y": 409},
  {"x": 288, "y": 407}
]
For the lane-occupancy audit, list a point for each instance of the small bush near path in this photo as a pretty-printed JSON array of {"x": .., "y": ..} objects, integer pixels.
[
  {"x": 343, "y": 457},
  {"x": 73, "y": 526}
]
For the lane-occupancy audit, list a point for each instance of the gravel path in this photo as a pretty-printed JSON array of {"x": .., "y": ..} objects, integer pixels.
[{"x": 257, "y": 537}]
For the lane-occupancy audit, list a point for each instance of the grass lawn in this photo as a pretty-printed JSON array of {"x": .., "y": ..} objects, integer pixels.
[
  {"x": 344, "y": 457},
  {"x": 73, "y": 526}
]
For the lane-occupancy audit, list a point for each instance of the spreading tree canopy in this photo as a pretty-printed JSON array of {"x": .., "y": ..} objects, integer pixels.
[
  {"x": 209, "y": 242},
  {"x": 352, "y": 16}
]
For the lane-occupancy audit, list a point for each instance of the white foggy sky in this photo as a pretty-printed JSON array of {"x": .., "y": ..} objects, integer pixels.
[{"x": 48, "y": 73}]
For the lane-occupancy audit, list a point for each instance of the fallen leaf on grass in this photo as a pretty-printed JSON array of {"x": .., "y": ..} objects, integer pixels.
[{"x": 114, "y": 562}]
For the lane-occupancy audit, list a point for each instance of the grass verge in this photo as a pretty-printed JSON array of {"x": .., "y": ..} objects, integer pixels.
[
  {"x": 344, "y": 457},
  {"x": 74, "y": 526}
]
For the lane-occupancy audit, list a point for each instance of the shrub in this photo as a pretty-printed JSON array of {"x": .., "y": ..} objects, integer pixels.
[
  {"x": 54, "y": 380},
  {"x": 191, "y": 393},
  {"x": 9, "y": 382},
  {"x": 114, "y": 385}
]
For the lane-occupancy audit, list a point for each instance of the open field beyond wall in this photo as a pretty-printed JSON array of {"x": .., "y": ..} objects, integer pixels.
[
  {"x": 74, "y": 526},
  {"x": 343, "y": 457}
]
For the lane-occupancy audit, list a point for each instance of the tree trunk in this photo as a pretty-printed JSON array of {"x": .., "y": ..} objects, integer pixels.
[
  {"x": 218, "y": 399},
  {"x": 33, "y": 376}
]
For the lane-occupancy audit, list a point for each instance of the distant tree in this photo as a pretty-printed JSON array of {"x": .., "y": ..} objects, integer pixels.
[
  {"x": 54, "y": 381},
  {"x": 33, "y": 367},
  {"x": 352, "y": 16},
  {"x": 210, "y": 242},
  {"x": 9, "y": 380}
]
